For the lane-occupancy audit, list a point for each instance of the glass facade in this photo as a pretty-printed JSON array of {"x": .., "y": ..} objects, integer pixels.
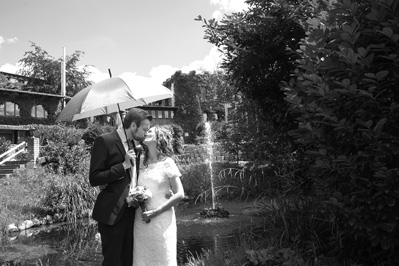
[
  {"x": 9, "y": 109},
  {"x": 38, "y": 111}
]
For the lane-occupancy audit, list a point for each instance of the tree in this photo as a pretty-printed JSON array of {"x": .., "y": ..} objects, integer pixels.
[
  {"x": 187, "y": 90},
  {"x": 255, "y": 46},
  {"x": 216, "y": 91},
  {"x": 39, "y": 64}
]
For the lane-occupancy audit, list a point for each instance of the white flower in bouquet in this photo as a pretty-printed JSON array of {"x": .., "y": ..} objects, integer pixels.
[{"x": 138, "y": 196}]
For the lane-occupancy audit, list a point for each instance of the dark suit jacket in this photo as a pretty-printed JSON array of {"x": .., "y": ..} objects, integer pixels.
[{"x": 106, "y": 168}]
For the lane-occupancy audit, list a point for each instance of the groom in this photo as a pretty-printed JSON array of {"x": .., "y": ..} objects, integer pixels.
[{"x": 111, "y": 164}]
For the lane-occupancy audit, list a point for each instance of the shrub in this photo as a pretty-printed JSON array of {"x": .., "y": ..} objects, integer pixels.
[
  {"x": 60, "y": 157},
  {"x": 4, "y": 145},
  {"x": 346, "y": 92},
  {"x": 178, "y": 140},
  {"x": 94, "y": 130},
  {"x": 57, "y": 133}
]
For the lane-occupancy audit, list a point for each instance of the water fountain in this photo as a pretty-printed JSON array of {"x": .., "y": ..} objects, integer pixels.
[
  {"x": 213, "y": 212},
  {"x": 209, "y": 145}
]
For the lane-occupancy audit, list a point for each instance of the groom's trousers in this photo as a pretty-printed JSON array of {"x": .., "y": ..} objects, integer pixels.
[{"x": 117, "y": 240}]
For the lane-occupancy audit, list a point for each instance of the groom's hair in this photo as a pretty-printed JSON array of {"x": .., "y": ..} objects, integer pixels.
[{"x": 137, "y": 116}]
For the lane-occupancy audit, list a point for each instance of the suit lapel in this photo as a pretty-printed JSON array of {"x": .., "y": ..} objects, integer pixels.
[{"x": 119, "y": 144}]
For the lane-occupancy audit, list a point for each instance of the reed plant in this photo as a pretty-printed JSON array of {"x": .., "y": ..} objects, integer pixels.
[
  {"x": 233, "y": 182},
  {"x": 294, "y": 232},
  {"x": 71, "y": 196}
]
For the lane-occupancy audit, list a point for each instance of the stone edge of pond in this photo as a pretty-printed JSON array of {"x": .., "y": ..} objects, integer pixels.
[{"x": 14, "y": 229}]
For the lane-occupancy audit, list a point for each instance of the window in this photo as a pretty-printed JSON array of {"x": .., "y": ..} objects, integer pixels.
[
  {"x": 38, "y": 111},
  {"x": 153, "y": 114},
  {"x": 166, "y": 114},
  {"x": 160, "y": 114},
  {"x": 9, "y": 109}
]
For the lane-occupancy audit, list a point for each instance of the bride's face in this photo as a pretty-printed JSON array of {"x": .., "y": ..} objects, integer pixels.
[{"x": 151, "y": 136}]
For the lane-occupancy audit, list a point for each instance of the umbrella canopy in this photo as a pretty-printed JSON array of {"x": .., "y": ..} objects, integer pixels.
[{"x": 102, "y": 98}]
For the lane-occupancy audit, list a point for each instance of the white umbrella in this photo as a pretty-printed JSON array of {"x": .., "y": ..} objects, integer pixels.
[{"x": 112, "y": 95}]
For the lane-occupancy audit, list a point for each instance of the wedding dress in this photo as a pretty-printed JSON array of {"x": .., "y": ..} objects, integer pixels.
[{"x": 155, "y": 243}]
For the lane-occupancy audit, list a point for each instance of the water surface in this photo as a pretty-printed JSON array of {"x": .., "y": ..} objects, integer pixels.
[{"x": 65, "y": 245}]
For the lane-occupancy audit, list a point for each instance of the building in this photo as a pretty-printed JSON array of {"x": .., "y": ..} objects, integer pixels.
[{"x": 21, "y": 106}]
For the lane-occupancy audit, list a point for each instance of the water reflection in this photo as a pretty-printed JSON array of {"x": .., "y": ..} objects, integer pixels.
[{"x": 63, "y": 245}]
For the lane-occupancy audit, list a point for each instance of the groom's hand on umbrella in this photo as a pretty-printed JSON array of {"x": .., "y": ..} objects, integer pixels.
[{"x": 130, "y": 156}]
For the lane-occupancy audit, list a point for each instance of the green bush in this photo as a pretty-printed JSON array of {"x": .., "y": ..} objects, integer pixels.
[
  {"x": 346, "y": 93},
  {"x": 60, "y": 157},
  {"x": 4, "y": 145},
  {"x": 178, "y": 140},
  {"x": 57, "y": 133},
  {"x": 94, "y": 130}
]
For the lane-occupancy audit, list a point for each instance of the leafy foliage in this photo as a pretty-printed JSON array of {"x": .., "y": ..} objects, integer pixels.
[
  {"x": 39, "y": 64},
  {"x": 93, "y": 131},
  {"x": 346, "y": 93},
  {"x": 63, "y": 158},
  {"x": 216, "y": 91},
  {"x": 189, "y": 114},
  {"x": 255, "y": 46},
  {"x": 4, "y": 144},
  {"x": 178, "y": 140}
]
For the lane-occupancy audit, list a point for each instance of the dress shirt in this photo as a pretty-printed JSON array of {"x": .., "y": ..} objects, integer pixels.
[{"x": 122, "y": 135}]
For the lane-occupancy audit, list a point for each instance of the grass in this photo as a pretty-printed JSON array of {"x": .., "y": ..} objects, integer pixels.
[
  {"x": 34, "y": 193},
  {"x": 20, "y": 196}
]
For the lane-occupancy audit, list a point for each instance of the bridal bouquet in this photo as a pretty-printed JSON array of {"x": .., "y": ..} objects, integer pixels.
[{"x": 138, "y": 196}]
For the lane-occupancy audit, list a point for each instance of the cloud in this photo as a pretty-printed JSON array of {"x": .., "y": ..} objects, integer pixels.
[
  {"x": 162, "y": 72},
  {"x": 6, "y": 41},
  {"x": 9, "y": 68},
  {"x": 96, "y": 74},
  {"x": 12, "y": 40},
  {"x": 209, "y": 63},
  {"x": 227, "y": 7}
]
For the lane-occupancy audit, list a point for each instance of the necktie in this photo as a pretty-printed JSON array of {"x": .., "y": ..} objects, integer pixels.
[{"x": 131, "y": 145}]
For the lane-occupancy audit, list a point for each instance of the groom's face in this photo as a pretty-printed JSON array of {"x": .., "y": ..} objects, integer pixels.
[{"x": 139, "y": 133}]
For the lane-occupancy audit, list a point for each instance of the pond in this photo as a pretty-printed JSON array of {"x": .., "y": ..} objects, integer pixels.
[{"x": 64, "y": 245}]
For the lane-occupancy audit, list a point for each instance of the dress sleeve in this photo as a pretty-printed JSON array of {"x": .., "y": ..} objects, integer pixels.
[{"x": 171, "y": 169}]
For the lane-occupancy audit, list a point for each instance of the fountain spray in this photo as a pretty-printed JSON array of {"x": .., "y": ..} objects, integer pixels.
[{"x": 209, "y": 146}]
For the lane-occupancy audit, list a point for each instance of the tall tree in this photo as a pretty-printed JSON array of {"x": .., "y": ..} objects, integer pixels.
[
  {"x": 39, "y": 64},
  {"x": 216, "y": 91},
  {"x": 254, "y": 44},
  {"x": 187, "y": 91}
]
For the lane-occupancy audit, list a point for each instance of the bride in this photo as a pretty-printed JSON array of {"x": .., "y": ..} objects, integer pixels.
[{"x": 155, "y": 233}]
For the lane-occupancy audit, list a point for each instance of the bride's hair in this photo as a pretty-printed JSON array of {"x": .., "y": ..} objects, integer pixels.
[{"x": 164, "y": 147}]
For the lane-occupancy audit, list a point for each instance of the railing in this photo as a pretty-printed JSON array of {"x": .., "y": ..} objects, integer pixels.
[{"x": 11, "y": 155}]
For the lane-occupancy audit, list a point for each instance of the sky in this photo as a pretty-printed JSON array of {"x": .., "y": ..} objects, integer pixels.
[{"x": 150, "y": 38}]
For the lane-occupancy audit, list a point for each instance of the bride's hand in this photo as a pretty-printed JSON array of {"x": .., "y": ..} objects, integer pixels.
[{"x": 147, "y": 215}]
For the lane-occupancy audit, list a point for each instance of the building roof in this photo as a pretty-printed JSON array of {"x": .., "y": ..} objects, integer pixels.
[
  {"x": 34, "y": 93},
  {"x": 13, "y": 127}
]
